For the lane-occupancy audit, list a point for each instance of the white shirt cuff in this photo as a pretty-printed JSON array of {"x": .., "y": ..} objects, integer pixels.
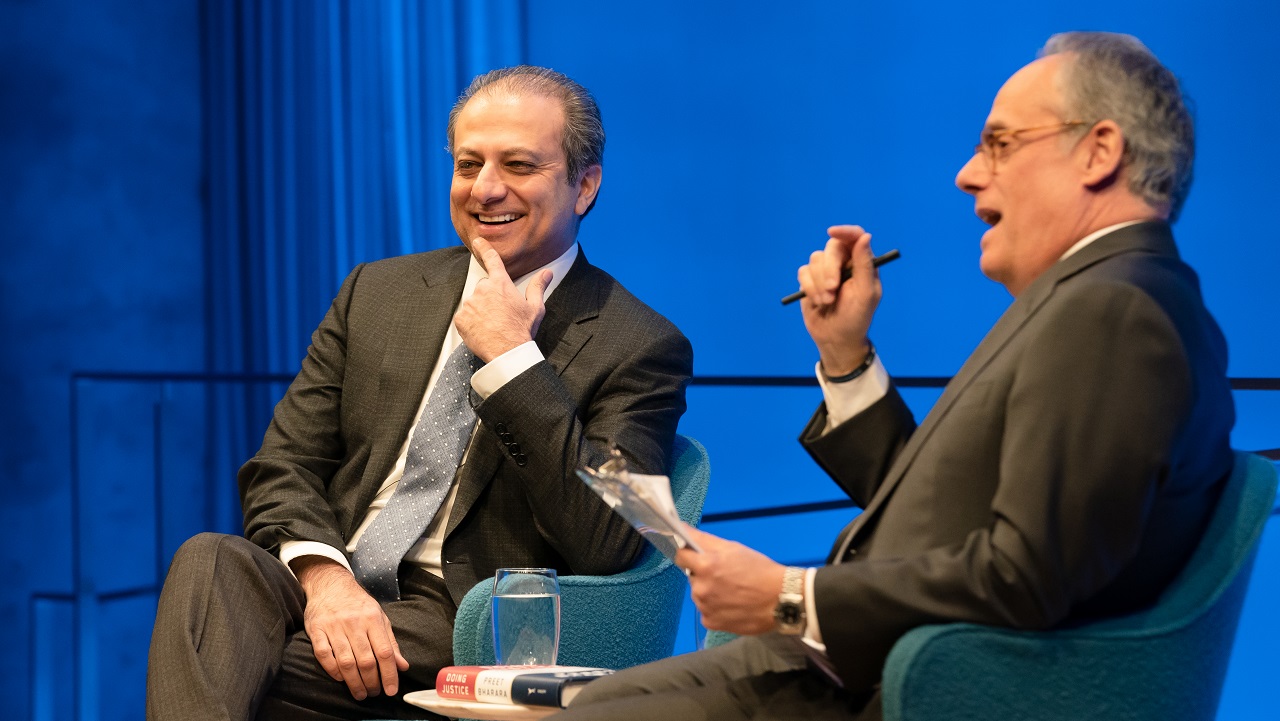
[
  {"x": 290, "y": 550},
  {"x": 497, "y": 372},
  {"x": 812, "y": 634},
  {"x": 848, "y": 399}
]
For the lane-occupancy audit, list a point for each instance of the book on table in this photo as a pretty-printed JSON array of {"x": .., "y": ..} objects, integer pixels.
[{"x": 528, "y": 685}]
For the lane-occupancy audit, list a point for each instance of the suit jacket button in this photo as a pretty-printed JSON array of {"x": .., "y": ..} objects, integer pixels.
[
  {"x": 500, "y": 428},
  {"x": 514, "y": 448},
  {"x": 506, "y": 437},
  {"x": 521, "y": 459}
]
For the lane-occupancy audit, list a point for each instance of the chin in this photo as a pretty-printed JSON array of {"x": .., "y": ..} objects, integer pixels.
[{"x": 991, "y": 268}]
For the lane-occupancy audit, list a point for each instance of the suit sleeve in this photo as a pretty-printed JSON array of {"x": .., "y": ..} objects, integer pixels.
[
  {"x": 283, "y": 488},
  {"x": 1093, "y": 414},
  {"x": 857, "y": 453},
  {"x": 634, "y": 405}
]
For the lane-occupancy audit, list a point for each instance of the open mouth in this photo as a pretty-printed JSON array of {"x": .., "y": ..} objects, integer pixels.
[
  {"x": 501, "y": 219},
  {"x": 990, "y": 217}
]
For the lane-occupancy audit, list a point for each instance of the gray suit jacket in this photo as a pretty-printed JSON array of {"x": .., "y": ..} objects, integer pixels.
[
  {"x": 1066, "y": 472},
  {"x": 615, "y": 374}
]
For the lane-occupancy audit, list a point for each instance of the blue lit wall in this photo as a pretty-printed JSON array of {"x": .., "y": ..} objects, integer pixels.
[
  {"x": 183, "y": 184},
  {"x": 101, "y": 267},
  {"x": 744, "y": 134}
]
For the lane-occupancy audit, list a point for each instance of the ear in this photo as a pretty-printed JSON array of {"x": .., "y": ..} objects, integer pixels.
[
  {"x": 588, "y": 186},
  {"x": 1101, "y": 152}
]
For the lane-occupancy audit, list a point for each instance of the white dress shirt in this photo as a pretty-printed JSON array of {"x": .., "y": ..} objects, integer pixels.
[{"x": 488, "y": 379}]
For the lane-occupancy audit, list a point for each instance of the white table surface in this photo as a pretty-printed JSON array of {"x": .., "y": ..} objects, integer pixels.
[{"x": 456, "y": 708}]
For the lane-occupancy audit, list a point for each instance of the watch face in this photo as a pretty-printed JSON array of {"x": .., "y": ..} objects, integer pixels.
[{"x": 789, "y": 614}]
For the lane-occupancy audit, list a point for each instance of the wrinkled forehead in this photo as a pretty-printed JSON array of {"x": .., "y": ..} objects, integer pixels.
[
  {"x": 511, "y": 117},
  {"x": 1031, "y": 96},
  {"x": 520, "y": 99},
  {"x": 520, "y": 90}
]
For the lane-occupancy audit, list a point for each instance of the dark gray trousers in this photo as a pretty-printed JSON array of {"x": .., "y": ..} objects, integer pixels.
[
  {"x": 754, "y": 677},
  {"x": 229, "y": 642}
]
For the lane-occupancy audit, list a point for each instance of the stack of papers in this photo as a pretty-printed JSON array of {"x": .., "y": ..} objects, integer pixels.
[{"x": 644, "y": 500}]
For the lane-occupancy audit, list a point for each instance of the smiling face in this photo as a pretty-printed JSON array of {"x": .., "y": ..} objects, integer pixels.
[
  {"x": 509, "y": 179},
  {"x": 1033, "y": 199}
]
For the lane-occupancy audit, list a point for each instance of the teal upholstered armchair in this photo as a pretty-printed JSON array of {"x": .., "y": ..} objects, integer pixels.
[
  {"x": 609, "y": 621},
  {"x": 1167, "y": 662}
]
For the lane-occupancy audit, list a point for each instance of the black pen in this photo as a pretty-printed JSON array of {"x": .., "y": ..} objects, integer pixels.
[{"x": 847, "y": 273}]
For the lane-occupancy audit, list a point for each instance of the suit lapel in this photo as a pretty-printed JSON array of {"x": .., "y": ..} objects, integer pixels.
[
  {"x": 568, "y": 325},
  {"x": 565, "y": 329},
  {"x": 1149, "y": 237},
  {"x": 996, "y": 339},
  {"x": 420, "y": 315}
]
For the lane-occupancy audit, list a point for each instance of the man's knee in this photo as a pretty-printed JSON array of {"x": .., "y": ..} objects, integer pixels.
[
  {"x": 217, "y": 560},
  {"x": 201, "y": 549},
  {"x": 194, "y": 558},
  {"x": 205, "y": 550}
]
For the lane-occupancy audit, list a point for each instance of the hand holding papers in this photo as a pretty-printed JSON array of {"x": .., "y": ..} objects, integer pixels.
[{"x": 644, "y": 500}]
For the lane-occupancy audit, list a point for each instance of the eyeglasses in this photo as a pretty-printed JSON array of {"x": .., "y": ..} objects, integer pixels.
[{"x": 998, "y": 145}]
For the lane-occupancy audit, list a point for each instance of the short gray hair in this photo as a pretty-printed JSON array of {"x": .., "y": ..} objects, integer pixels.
[
  {"x": 1113, "y": 76},
  {"x": 583, "y": 140}
]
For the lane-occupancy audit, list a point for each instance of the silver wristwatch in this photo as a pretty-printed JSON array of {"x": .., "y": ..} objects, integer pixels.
[{"x": 789, "y": 613}]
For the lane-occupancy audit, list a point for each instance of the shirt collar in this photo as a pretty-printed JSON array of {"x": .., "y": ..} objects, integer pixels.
[
  {"x": 1095, "y": 235},
  {"x": 559, "y": 267}
]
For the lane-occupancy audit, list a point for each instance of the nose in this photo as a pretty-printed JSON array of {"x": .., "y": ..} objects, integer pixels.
[
  {"x": 488, "y": 186},
  {"x": 974, "y": 175}
]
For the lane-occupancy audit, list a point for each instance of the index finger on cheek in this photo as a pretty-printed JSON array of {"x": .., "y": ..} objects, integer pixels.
[
  {"x": 488, "y": 256},
  {"x": 494, "y": 266}
]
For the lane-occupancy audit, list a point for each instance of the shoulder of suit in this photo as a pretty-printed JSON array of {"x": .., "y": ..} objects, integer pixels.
[
  {"x": 415, "y": 263},
  {"x": 425, "y": 259},
  {"x": 618, "y": 303},
  {"x": 1126, "y": 290},
  {"x": 1153, "y": 274}
]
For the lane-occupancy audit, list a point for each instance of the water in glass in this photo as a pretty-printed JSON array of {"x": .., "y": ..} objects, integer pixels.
[{"x": 526, "y": 616}]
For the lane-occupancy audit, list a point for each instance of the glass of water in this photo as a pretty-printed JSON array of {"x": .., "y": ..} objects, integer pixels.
[{"x": 526, "y": 616}]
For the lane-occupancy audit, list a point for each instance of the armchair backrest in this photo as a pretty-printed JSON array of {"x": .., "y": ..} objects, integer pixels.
[
  {"x": 610, "y": 621},
  {"x": 690, "y": 477},
  {"x": 1225, "y": 551},
  {"x": 1168, "y": 661}
]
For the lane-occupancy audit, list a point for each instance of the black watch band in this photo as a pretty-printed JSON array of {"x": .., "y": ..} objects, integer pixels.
[{"x": 866, "y": 363}]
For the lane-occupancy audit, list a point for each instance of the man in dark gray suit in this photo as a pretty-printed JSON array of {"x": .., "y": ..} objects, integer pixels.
[
  {"x": 1071, "y": 464},
  {"x": 279, "y": 625}
]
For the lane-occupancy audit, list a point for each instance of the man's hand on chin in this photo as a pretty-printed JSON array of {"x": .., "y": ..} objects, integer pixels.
[
  {"x": 734, "y": 587},
  {"x": 497, "y": 318},
  {"x": 350, "y": 634}
]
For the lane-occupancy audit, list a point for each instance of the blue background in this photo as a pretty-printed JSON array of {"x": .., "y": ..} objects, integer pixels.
[{"x": 184, "y": 183}]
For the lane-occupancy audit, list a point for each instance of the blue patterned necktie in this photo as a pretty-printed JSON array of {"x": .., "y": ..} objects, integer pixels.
[{"x": 434, "y": 453}]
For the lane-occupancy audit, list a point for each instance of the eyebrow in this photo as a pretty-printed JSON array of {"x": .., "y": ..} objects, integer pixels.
[{"x": 509, "y": 152}]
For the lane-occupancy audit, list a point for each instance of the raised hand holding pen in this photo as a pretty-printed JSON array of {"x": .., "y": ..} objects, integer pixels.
[
  {"x": 838, "y": 311},
  {"x": 847, "y": 273}
]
